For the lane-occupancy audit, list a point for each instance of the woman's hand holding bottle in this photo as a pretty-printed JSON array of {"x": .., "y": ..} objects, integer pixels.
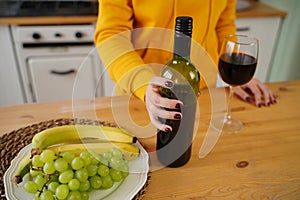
[{"x": 155, "y": 103}]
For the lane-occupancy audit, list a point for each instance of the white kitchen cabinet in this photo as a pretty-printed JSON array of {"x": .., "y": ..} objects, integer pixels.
[
  {"x": 10, "y": 87},
  {"x": 266, "y": 30}
]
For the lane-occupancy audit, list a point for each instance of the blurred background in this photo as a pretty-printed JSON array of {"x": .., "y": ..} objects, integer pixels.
[
  {"x": 286, "y": 57},
  {"x": 44, "y": 42}
]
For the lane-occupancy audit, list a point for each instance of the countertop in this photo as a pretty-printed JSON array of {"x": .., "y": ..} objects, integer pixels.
[
  {"x": 260, "y": 162},
  {"x": 256, "y": 10}
]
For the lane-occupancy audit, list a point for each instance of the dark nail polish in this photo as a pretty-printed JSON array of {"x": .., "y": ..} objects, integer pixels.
[
  {"x": 168, "y": 130},
  {"x": 168, "y": 84},
  {"x": 268, "y": 104},
  {"x": 259, "y": 105},
  {"x": 177, "y": 116},
  {"x": 178, "y": 106},
  {"x": 274, "y": 101},
  {"x": 248, "y": 99}
]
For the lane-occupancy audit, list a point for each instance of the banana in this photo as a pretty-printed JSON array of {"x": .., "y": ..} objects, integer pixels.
[
  {"x": 80, "y": 134},
  {"x": 23, "y": 169},
  {"x": 130, "y": 152}
]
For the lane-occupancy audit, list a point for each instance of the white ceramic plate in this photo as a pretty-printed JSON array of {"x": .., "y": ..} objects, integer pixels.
[{"x": 125, "y": 190}]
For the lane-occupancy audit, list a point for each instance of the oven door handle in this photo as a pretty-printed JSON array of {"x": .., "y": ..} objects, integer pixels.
[{"x": 70, "y": 71}]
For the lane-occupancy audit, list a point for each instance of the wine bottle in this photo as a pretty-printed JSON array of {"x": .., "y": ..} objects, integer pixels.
[{"x": 174, "y": 148}]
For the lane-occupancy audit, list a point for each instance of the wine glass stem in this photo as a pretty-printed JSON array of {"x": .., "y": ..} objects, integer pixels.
[{"x": 231, "y": 91}]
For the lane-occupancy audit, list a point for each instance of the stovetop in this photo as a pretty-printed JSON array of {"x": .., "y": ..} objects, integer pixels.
[{"x": 35, "y": 8}]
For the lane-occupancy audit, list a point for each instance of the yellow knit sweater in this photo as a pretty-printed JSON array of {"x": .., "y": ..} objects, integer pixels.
[{"x": 135, "y": 38}]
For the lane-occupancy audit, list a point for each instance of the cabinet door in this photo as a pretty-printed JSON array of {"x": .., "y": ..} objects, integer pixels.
[
  {"x": 11, "y": 91},
  {"x": 61, "y": 78}
]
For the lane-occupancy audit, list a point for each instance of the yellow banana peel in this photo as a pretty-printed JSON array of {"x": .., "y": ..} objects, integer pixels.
[
  {"x": 23, "y": 169},
  {"x": 80, "y": 134},
  {"x": 129, "y": 151}
]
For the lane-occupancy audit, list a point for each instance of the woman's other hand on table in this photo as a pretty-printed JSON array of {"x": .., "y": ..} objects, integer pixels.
[
  {"x": 156, "y": 104},
  {"x": 257, "y": 92}
]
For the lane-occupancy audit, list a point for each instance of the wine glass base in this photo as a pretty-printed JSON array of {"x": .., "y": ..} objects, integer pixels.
[{"x": 227, "y": 125}]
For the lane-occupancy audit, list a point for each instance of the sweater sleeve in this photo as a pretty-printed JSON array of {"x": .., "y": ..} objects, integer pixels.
[
  {"x": 226, "y": 22},
  {"x": 113, "y": 40}
]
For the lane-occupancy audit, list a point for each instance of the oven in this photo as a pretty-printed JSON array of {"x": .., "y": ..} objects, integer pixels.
[{"x": 57, "y": 62}]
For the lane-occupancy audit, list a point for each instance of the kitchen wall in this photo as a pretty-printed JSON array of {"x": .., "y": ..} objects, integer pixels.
[{"x": 286, "y": 59}]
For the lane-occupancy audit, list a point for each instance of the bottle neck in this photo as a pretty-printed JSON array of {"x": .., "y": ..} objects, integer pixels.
[{"x": 182, "y": 45}]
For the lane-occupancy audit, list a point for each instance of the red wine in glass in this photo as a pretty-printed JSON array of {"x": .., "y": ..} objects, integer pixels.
[
  {"x": 237, "y": 68},
  {"x": 237, "y": 65}
]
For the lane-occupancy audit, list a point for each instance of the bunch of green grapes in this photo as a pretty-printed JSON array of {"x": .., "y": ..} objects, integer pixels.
[{"x": 70, "y": 176}]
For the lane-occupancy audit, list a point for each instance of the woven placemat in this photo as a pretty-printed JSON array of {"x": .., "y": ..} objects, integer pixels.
[{"x": 11, "y": 143}]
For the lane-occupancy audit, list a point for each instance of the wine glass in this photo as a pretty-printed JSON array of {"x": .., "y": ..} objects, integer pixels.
[{"x": 237, "y": 64}]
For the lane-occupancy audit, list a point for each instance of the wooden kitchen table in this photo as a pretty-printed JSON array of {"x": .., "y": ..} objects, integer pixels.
[{"x": 262, "y": 161}]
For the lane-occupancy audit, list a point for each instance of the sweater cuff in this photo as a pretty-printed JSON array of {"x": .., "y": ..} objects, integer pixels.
[{"x": 140, "y": 83}]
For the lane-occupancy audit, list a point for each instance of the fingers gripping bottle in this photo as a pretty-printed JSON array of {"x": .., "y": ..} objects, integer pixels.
[{"x": 174, "y": 148}]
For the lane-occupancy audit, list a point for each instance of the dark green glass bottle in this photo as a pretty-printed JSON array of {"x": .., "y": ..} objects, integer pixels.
[{"x": 174, "y": 148}]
